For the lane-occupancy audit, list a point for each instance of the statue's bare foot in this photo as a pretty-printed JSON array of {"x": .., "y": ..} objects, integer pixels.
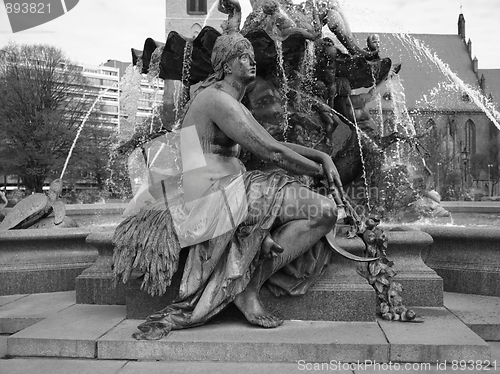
[
  {"x": 152, "y": 330},
  {"x": 249, "y": 303}
]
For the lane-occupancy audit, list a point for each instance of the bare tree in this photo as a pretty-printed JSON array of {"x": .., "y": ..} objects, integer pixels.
[{"x": 42, "y": 102}]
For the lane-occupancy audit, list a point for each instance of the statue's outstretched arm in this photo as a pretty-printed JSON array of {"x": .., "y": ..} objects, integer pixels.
[
  {"x": 331, "y": 171},
  {"x": 334, "y": 18},
  {"x": 233, "y": 9},
  {"x": 236, "y": 122}
]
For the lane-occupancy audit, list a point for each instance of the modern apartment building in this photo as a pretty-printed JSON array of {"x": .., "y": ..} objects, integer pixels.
[
  {"x": 105, "y": 81},
  {"x": 104, "y": 88}
]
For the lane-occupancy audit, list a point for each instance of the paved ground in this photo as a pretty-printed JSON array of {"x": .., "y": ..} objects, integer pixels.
[{"x": 50, "y": 315}]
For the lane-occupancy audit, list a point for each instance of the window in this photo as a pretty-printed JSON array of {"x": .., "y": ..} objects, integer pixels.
[
  {"x": 197, "y": 6},
  {"x": 470, "y": 137}
]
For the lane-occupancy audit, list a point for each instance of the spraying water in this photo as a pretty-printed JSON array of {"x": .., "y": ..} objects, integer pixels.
[
  {"x": 363, "y": 167},
  {"x": 307, "y": 73},
  {"x": 186, "y": 75},
  {"x": 284, "y": 86},
  {"x": 420, "y": 49},
  {"x": 210, "y": 12},
  {"x": 129, "y": 98},
  {"x": 80, "y": 128},
  {"x": 154, "y": 83}
]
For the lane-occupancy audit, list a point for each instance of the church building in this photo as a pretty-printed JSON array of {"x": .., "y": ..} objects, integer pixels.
[{"x": 443, "y": 89}]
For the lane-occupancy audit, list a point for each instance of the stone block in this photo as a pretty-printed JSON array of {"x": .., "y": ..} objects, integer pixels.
[
  {"x": 72, "y": 332},
  {"x": 60, "y": 366},
  {"x": 467, "y": 258},
  {"x": 441, "y": 337},
  {"x": 43, "y": 260},
  {"x": 478, "y": 312},
  {"x": 183, "y": 367},
  {"x": 139, "y": 304},
  {"x": 421, "y": 285},
  {"x": 7, "y": 299},
  {"x": 232, "y": 341},
  {"x": 96, "y": 284},
  {"x": 339, "y": 295},
  {"x": 31, "y": 309},
  {"x": 3, "y": 346}
]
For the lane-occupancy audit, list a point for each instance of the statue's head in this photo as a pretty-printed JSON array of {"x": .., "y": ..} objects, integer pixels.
[
  {"x": 373, "y": 42},
  {"x": 324, "y": 6},
  {"x": 270, "y": 7},
  {"x": 228, "y": 47},
  {"x": 343, "y": 87},
  {"x": 56, "y": 188}
]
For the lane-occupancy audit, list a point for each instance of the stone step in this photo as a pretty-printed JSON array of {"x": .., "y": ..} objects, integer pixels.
[
  {"x": 72, "y": 332},
  {"x": 67, "y": 366},
  {"x": 480, "y": 313},
  {"x": 20, "y": 311},
  {"x": 102, "y": 332},
  {"x": 238, "y": 341}
]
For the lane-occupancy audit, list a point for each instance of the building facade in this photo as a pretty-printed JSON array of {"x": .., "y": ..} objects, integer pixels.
[
  {"x": 103, "y": 88},
  {"x": 188, "y": 17},
  {"x": 453, "y": 104},
  {"x": 444, "y": 92}
]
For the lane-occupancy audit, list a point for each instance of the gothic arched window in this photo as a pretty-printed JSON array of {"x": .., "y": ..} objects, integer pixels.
[{"x": 470, "y": 137}]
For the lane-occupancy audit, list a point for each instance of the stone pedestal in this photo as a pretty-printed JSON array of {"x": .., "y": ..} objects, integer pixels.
[
  {"x": 421, "y": 285},
  {"x": 96, "y": 285},
  {"x": 467, "y": 258},
  {"x": 43, "y": 260},
  {"x": 140, "y": 304},
  {"x": 339, "y": 295}
]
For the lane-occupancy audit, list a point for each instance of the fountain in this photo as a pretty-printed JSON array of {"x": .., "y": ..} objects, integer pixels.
[
  {"x": 465, "y": 258},
  {"x": 273, "y": 99},
  {"x": 307, "y": 122},
  {"x": 52, "y": 252}
]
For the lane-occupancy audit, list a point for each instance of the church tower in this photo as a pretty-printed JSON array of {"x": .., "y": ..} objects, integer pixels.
[
  {"x": 461, "y": 26},
  {"x": 187, "y": 17}
]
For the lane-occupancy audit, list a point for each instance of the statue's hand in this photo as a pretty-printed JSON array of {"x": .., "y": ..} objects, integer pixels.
[
  {"x": 228, "y": 6},
  {"x": 270, "y": 248},
  {"x": 335, "y": 189},
  {"x": 366, "y": 54}
]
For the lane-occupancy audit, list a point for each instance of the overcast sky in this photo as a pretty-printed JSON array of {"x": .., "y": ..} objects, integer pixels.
[{"x": 97, "y": 30}]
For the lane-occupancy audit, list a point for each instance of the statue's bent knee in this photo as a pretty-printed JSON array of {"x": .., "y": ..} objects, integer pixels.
[{"x": 327, "y": 213}]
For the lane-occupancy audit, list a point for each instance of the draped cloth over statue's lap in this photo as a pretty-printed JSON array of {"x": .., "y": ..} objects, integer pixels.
[{"x": 220, "y": 268}]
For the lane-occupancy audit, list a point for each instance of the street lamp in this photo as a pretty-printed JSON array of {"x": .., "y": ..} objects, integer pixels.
[
  {"x": 489, "y": 179},
  {"x": 437, "y": 184},
  {"x": 465, "y": 159}
]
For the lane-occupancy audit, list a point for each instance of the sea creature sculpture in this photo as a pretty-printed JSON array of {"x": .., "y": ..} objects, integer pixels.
[{"x": 35, "y": 207}]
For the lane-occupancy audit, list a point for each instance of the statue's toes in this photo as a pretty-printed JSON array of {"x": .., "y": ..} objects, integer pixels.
[
  {"x": 152, "y": 330},
  {"x": 269, "y": 321}
]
